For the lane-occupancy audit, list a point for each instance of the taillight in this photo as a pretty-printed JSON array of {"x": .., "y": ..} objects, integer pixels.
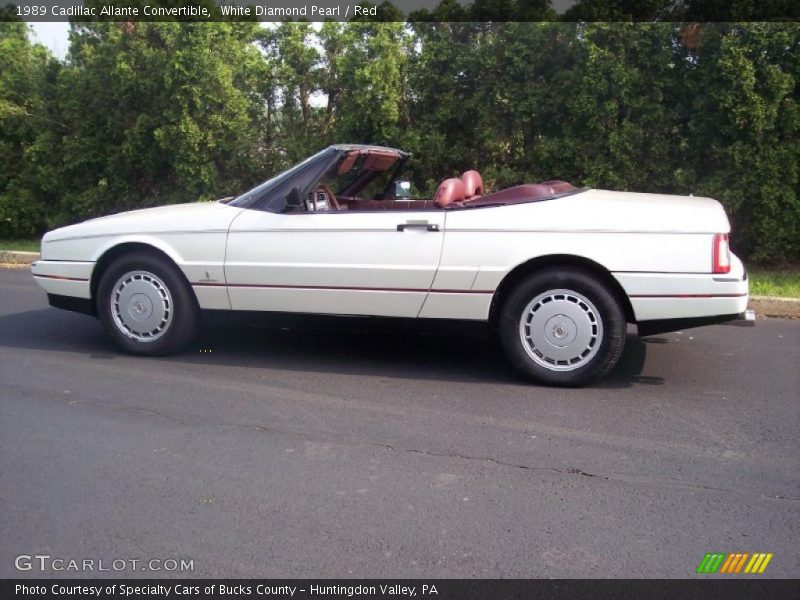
[{"x": 721, "y": 254}]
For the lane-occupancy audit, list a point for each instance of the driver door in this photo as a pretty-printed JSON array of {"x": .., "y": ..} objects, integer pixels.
[{"x": 350, "y": 263}]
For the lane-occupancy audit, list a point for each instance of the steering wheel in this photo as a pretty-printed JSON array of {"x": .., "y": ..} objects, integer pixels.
[{"x": 330, "y": 198}]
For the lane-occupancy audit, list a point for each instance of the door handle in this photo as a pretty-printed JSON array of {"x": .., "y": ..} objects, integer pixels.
[{"x": 418, "y": 225}]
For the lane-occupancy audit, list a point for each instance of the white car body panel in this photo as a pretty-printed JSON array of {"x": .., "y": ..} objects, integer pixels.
[
  {"x": 336, "y": 263},
  {"x": 658, "y": 248},
  {"x": 192, "y": 235},
  {"x": 629, "y": 234}
]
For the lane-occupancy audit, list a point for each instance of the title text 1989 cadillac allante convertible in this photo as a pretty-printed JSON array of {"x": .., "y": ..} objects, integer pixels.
[{"x": 557, "y": 270}]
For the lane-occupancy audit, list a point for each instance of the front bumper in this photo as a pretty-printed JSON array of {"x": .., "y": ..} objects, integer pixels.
[{"x": 64, "y": 278}]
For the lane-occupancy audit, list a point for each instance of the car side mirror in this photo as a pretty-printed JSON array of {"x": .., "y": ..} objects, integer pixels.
[
  {"x": 294, "y": 199},
  {"x": 401, "y": 189}
]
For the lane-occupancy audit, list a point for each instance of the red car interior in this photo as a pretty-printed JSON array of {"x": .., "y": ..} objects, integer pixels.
[
  {"x": 449, "y": 191},
  {"x": 464, "y": 192},
  {"x": 473, "y": 184}
]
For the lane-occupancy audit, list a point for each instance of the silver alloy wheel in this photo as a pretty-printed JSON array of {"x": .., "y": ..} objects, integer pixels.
[
  {"x": 141, "y": 305},
  {"x": 561, "y": 330}
]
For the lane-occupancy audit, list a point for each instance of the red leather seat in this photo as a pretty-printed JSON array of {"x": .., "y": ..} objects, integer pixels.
[
  {"x": 473, "y": 184},
  {"x": 449, "y": 191}
]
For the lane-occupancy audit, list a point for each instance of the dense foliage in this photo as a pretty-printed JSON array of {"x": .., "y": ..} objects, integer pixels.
[{"x": 148, "y": 113}]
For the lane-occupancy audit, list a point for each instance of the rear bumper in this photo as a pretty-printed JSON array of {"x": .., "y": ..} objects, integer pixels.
[
  {"x": 665, "y": 302},
  {"x": 663, "y": 296},
  {"x": 655, "y": 308}
]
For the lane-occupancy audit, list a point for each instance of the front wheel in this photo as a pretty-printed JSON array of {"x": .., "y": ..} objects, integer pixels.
[
  {"x": 562, "y": 327},
  {"x": 146, "y": 305}
]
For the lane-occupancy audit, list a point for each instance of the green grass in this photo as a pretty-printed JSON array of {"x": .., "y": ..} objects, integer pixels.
[
  {"x": 783, "y": 282},
  {"x": 26, "y": 245}
]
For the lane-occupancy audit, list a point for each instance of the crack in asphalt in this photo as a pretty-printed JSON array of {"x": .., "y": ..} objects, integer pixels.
[
  {"x": 633, "y": 480},
  {"x": 574, "y": 471},
  {"x": 344, "y": 440},
  {"x": 569, "y": 471}
]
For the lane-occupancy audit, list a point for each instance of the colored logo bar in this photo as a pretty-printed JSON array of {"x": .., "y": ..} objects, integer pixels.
[{"x": 717, "y": 562}]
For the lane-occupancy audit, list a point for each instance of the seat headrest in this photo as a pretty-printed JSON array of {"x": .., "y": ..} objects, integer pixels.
[
  {"x": 473, "y": 184},
  {"x": 449, "y": 191}
]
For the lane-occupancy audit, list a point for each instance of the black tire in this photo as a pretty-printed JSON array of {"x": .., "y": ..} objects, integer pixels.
[
  {"x": 177, "y": 318},
  {"x": 594, "y": 347}
]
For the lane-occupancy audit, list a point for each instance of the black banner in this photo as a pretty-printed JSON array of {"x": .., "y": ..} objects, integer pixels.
[
  {"x": 400, "y": 10},
  {"x": 374, "y": 589}
]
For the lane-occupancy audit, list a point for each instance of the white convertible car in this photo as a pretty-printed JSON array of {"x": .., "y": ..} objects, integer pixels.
[{"x": 557, "y": 270}]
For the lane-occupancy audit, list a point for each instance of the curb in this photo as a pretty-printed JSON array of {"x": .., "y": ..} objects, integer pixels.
[
  {"x": 774, "y": 299},
  {"x": 773, "y": 306},
  {"x": 15, "y": 257}
]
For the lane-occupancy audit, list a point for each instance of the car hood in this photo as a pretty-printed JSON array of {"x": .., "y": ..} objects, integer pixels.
[{"x": 192, "y": 217}]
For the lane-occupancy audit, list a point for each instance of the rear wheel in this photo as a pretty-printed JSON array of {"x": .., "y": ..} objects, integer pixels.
[
  {"x": 146, "y": 305},
  {"x": 562, "y": 327}
]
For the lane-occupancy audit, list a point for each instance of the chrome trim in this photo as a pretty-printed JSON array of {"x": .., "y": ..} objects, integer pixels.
[
  {"x": 129, "y": 233},
  {"x": 566, "y": 230}
]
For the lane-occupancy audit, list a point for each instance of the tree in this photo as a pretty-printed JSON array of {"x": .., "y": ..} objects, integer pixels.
[
  {"x": 158, "y": 113},
  {"x": 615, "y": 114},
  {"x": 292, "y": 48},
  {"x": 447, "y": 104},
  {"x": 26, "y": 131},
  {"x": 150, "y": 113},
  {"x": 371, "y": 82},
  {"x": 742, "y": 105}
]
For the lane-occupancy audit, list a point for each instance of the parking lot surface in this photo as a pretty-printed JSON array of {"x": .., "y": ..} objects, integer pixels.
[{"x": 314, "y": 448}]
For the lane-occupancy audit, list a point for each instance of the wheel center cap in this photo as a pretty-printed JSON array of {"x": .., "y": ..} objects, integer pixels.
[
  {"x": 560, "y": 330},
  {"x": 140, "y": 307}
]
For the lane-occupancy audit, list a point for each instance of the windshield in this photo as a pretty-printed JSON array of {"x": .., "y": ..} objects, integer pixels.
[
  {"x": 272, "y": 194},
  {"x": 347, "y": 171}
]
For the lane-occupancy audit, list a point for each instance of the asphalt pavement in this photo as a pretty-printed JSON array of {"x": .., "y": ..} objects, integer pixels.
[{"x": 320, "y": 448}]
